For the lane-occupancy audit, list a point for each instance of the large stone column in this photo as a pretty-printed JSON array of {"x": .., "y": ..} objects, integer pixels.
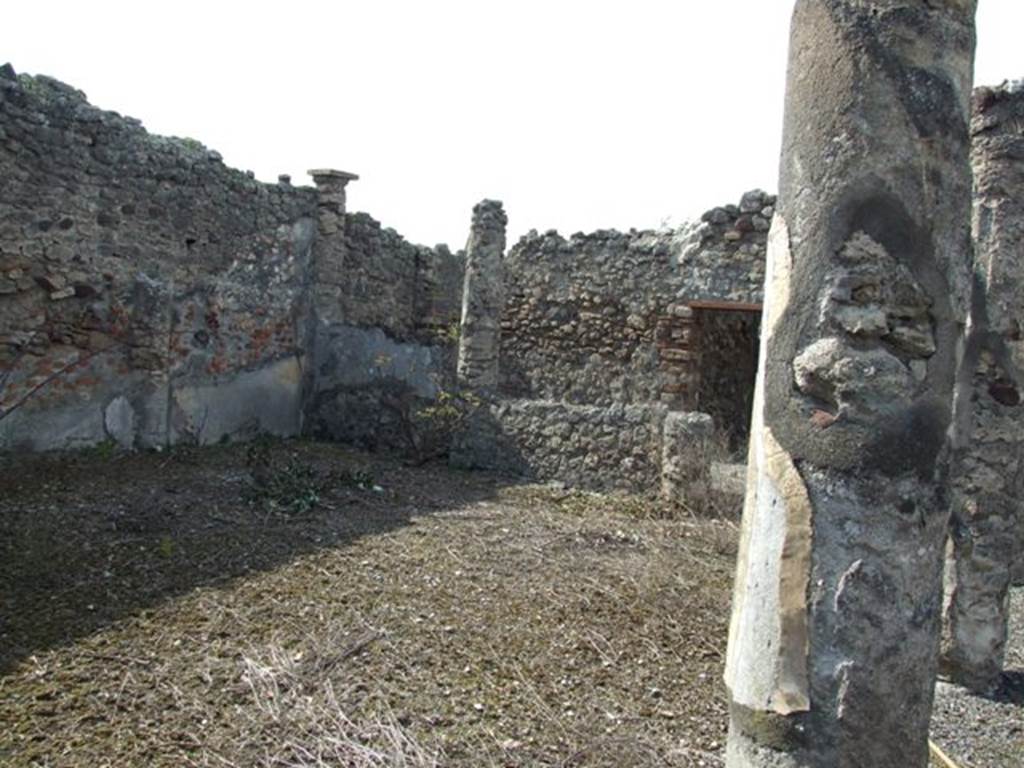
[
  {"x": 988, "y": 489},
  {"x": 833, "y": 643},
  {"x": 482, "y": 298}
]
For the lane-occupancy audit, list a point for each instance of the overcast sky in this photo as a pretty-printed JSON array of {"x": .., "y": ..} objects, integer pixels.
[{"x": 579, "y": 114}]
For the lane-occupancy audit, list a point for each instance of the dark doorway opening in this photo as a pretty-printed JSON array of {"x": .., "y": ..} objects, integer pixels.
[{"x": 726, "y": 337}]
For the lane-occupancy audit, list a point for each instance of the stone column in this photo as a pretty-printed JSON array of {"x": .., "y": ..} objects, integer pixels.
[
  {"x": 833, "y": 643},
  {"x": 988, "y": 487},
  {"x": 329, "y": 247},
  {"x": 330, "y": 186},
  {"x": 482, "y": 298}
]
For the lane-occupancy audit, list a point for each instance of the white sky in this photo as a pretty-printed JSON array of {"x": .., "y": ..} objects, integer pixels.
[{"x": 579, "y": 114}]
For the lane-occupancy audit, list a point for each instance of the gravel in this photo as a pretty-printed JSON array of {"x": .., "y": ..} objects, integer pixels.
[{"x": 986, "y": 732}]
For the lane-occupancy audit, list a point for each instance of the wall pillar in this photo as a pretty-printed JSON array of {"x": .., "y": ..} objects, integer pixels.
[
  {"x": 482, "y": 299},
  {"x": 988, "y": 488},
  {"x": 330, "y": 186},
  {"x": 833, "y": 643},
  {"x": 329, "y": 248},
  {"x": 674, "y": 336},
  {"x": 686, "y": 446}
]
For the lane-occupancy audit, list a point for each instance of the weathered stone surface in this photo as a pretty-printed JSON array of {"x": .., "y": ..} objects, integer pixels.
[
  {"x": 141, "y": 265},
  {"x": 590, "y": 447},
  {"x": 243, "y": 406},
  {"x": 139, "y": 270},
  {"x": 585, "y": 318},
  {"x": 833, "y": 640},
  {"x": 988, "y": 526},
  {"x": 599, "y": 321},
  {"x": 364, "y": 378},
  {"x": 721, "y": 257},
  {"x": 603, "y": 318},
  {"x": 686, "y": 447},
  {"x": 378, "y": 298},
  {"x": 482, "y": 299},
  {"x": 119, "y": 421}
]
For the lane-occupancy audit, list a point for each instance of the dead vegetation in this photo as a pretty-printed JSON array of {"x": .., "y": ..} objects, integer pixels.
[{"x": 156, "y": 612}]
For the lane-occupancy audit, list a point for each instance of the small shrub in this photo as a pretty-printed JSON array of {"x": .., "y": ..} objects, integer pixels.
[
  {"x": 355, "y": 478},
  {"x": 166, "y": 547},
  {"x": 104, "y": 451},
  {"x": 290, "y": 486},
  {"x": 427, "y": 428},
  {"x": 449, "y": 334}
]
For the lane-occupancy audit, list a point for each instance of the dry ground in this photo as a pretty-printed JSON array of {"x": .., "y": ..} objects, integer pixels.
[{"x": 156, "y": 611}]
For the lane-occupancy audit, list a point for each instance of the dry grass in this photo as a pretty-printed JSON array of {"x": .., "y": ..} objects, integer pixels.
[
  {"x": 157, "y": 618},
  {"x": 154, "y": 613}
]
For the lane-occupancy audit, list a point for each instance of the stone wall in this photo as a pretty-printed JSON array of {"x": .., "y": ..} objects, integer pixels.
[
  {"x": 148, "y": 293},
  {"x": 721, "y": 257},
  {"x": 151, "y": 295},
  {"x": 385, "y": 332},
  {"x": 601, "y": 449},
  {"x": 605, "y": 318},
  {"x": 643, "y": 449},
  {"x": 581, "y": 315},
  {"x": 409, "y": 291}
]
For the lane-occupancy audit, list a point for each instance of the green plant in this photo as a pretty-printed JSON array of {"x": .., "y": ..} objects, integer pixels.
[
  {"x": 449, "y": 334},
  {"x": 355, "y": 478},
  {"x": 104, "y": 450},
  {"x": 448, "y": 410},
  {"x": 290, "y": 486},
  {"x": 429, "y": 428},
  {"x": 166, "y": 546}
]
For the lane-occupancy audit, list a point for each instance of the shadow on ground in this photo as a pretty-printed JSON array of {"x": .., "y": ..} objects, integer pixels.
[
  {"x": 1011, "y": 688},
  {"x": 88, "y": 539}
]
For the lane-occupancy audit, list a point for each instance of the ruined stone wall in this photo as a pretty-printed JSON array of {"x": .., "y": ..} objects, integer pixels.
[
  {"x": 721, "y": 257},
  {"x": 604, "y": 334},
  {"x": 151, "y": 295},
  {"x": 603, "y": 318},
  {"x": 409, "y": 291},
  {"x": 591, "y": 447},
  {"x": 385, "y": 332},
  {"x": 647, "y": 450},
  {"x": 581, "y": 317},
  {"x": 148, "y": 293}
]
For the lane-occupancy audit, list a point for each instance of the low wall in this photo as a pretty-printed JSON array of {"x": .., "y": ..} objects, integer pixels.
[{"x": 642, "y": 449}]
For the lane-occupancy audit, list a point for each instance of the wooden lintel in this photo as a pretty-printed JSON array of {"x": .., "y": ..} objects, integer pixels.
[{"x": 726, "y": 306}]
